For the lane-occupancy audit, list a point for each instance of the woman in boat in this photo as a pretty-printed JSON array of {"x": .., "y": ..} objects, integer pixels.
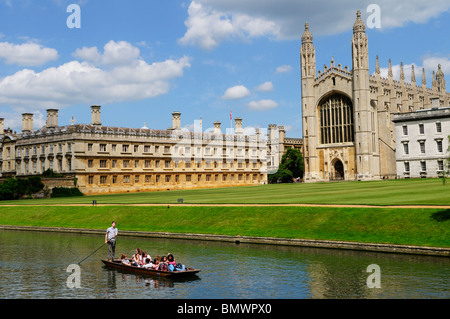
[
  {"x": 171, "y": 260},
  {"x": 137, "y": 257}
]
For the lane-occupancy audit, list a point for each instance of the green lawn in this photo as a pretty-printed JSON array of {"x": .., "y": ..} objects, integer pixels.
[
  {"x": 383, "y": 193},
  {"x": 408, "y": 226}
]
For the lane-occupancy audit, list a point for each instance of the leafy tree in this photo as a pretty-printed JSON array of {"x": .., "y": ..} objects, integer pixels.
[
  {"x": 291, "y": 166},
  {"x": 292, "y": 160}
]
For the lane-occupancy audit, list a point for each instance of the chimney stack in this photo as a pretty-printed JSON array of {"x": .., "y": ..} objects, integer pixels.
[
  {"x": 281, "y": 134},
  {"x": 176, "y": 120},
  {"x": 272, "y": 132},
  {"x": 27, "y": 122},
  {"x": 52, "y": 118},
  {"x": 95, "y": 115},
  {"x": 238, "y": 125},
  {"x": 2, "y": 126},
  {"x": 217, "y": 129}
]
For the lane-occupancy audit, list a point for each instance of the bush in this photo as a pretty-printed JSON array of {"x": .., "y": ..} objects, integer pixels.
[
  {"x": 13, "y": 188},
  {"x": 66, "y": 192}
]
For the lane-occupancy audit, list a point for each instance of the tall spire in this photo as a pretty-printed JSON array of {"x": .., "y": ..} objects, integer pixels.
[
  {"x": 440, "y": 79},
  {"x": 377, "y": 66},
  {"x": 307, "y": 36},
  {"x": 413, "y": 74},
  {"x": 424, "y": 79},
  {"x": 359, "y": 25},
  {"x": 390, "y": 74},
  {"x": 402, "y": 73}
]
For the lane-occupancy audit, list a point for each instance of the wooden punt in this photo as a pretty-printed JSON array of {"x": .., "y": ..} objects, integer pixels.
[{"x": 117, "y": 264}]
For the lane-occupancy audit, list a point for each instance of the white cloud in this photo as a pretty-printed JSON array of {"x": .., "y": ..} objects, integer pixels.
[
  {"x": 262, "y": 105},
  {"x": 283, "y": 68},
  {"x": 88, "y": 54},
  {"x": 236, "y": 92},
  {"x": 85, "y": 82},
  {"x": 208, "y": 27},
  {"x": 115, "y": 54},
  {"x": 27, "y": 54},
  {"x": 213, "y": 21},
  {"x": 265, "y": 87}
]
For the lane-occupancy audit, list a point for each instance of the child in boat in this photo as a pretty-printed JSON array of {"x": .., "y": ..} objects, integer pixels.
[
  {"x": 124, "y": 260},
  {"x": 148, "y": 263}
]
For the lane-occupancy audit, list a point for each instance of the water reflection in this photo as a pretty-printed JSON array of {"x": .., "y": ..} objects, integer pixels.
[{"x": 34, "y": 265}]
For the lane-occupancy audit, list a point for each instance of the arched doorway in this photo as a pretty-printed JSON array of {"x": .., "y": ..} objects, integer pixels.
[{"x": 338, "y": 170}]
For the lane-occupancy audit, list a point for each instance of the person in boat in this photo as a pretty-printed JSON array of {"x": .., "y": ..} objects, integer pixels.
[
  {"x": 164, "y": 260},
  {"x": 171, "y": 260},
  {"x": 137, "y": 258},
  {"x": 148, "y": 263},
  {"x": 156, "y": 263},
  {"x": 124, "y": 260},
  {"x": 110, "y": 238},
  {"x": 145, "y": 256}
]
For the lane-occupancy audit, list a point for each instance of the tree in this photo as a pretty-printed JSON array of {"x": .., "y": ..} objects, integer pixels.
[
  {"x": 292, "y": 160},
  {"x": 13, "y": 188},
  {"x": 291, "y": 166}
]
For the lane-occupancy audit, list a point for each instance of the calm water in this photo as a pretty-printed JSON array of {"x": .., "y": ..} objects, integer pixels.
[{"x": 34, "y": 265}]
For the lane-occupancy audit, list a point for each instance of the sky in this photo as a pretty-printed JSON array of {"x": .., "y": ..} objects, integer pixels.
[{"x": 143, "y": 59}]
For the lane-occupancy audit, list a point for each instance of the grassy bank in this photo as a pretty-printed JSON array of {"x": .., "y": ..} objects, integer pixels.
[
  {"x": 423, "y": 227},
  {"x": 383, "y": 193}
]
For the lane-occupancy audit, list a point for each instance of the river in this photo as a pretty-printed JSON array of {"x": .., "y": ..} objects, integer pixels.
[{"x": 35, "y": 265}]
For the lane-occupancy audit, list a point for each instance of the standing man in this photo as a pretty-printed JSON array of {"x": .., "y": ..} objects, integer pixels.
[{"x": 110, "y": 238}]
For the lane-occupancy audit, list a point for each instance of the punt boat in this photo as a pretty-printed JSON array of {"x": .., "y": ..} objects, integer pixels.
[{"x": 117, "y": 264}]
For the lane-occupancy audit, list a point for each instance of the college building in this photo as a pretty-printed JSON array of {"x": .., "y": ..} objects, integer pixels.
[
  {"x": 422, "y": 142},
  {"x": 348, "y": 114},
  {"x": 104, "y": 159}
]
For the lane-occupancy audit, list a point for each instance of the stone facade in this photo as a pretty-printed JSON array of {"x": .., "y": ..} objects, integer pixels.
[
  {"x": 347, "y": 115},
  {"x": 107, "y": 159},
  {"x": 422, "y": 141}
]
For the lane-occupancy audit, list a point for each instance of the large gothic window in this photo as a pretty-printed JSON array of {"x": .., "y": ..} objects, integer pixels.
[{"x": 336, "y": 120}]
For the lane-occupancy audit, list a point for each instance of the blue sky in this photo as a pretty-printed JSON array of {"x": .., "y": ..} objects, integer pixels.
[{"x": 143, "y": 59}]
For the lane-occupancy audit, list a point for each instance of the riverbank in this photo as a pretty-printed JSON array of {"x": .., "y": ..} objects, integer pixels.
[
  {"x": 403, "y": 249},
  {"x": 348, "y": 228}
]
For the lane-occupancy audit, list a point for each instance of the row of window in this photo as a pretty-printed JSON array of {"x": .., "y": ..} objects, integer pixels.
[
  {"x": 33, "y": 151},
  {"x": 32, "y": 167},
  {"x": 438, "y": 128},
  {"x": 168, "y": 164},
  {"x": 126, "y": 179},
  {"x": 423, "y": 166},
  {"x": 126, "y": 148},
  {"x": 439, "y": 147}
]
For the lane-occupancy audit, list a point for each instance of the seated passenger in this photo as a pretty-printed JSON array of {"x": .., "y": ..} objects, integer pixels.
[
  {"x": 155, "y": 263},
  {"x": 148, "y": 263},
  {"x": 137, "y": 258},
  {"x": 171, "y": 260},
  {"x": 124, "y": 260}
]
